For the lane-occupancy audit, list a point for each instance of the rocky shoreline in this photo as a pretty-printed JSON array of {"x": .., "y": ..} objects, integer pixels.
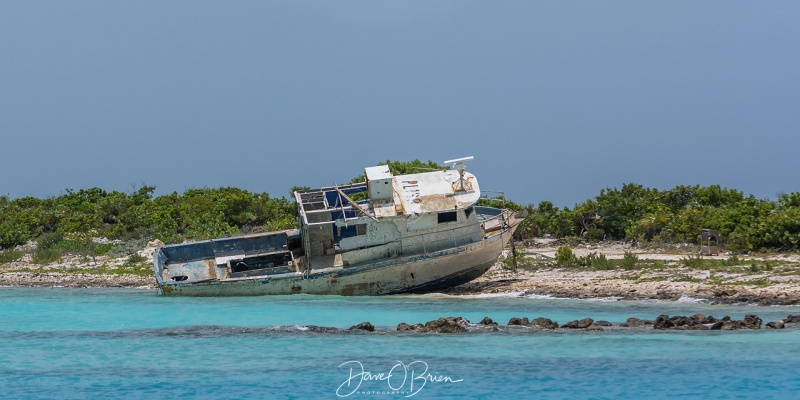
[
  {"x": 74, "y": 271},
  {"x": 76, "y": 280},
  {"x": 662, "y": 274},
  {"x": 616, "y": 285},
  {"x": 672, "y": 281}
]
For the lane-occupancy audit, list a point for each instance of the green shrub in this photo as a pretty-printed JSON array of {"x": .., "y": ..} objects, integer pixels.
[
  {"x": 731, "y": 261},
  {"x": 694, "y": 262},
  {"x": 135, "y": 258},
  {"x": 598, "y": 262},
  {"x": 565, "y": 257},
  {"x": 76, "y": 247},
  {"x": 512, "y": 260},
  {"x": 12, "y": 235},
  {"x": 100, "y": 249},
  {"x": 629, "y": 261},
  {"x": 47, "y": 255},
  {"x": 126, "y": 248},
  {"x": 49, "y": 240},
  {"x": 10, "y": 255}
]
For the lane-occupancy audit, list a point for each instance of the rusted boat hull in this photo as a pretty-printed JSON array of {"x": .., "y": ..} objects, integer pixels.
[
  {"x": 422, "y": 273},
  {"x": 418, "y": 232}
]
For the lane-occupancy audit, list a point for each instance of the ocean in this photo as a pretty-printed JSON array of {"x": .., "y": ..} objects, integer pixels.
[{"x": 121, "y": 343}]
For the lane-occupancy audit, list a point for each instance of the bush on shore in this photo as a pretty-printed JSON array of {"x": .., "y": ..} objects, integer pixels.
[
  {"x": 196, "y": 214},
  {"x": 633, "y": 213},
  {"x": 637, "y": 213}
]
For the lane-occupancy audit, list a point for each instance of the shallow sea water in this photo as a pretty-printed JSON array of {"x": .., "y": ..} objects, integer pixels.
[{"x": 118, "y": 343}]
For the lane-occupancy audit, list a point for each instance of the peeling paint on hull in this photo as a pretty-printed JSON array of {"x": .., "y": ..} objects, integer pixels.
[
  {"x": 412, "y": 274},
  {"x": 413, "y": 233}
]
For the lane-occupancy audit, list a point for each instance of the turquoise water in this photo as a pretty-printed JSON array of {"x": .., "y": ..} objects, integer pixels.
[{"x": 115, "y": 343}]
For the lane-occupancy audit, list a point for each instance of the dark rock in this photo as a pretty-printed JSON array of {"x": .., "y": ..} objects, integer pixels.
[
  {"x": 406, "y": 327},
  {"x": 321, "y": 329},
  {"x": 732, "y": 326},
  {"x": 544, "y": 323},
  {"x": 697, "y": 319},
  {"x": 366, "y": 326},
  {"x": 776, "y": 325},
  {"x": 752, "y": 321},
  {"x": 636, "y": 322},
  {"x": 518, "y": 321},
  {"x": 695, "y": 322},
  {"x": 663, "y": 322},
  {"x": 792, "y": 319},
  {"x": 709, "y": 320},
  {"x": 717, "y": 325},
  {"x": 602, "y": 323},
  {"x": 487, "y": 321},
  {"x": 578, "y": 324},
  {"x": 447, "y": 325},
  {"x": 679, "y": 320}
]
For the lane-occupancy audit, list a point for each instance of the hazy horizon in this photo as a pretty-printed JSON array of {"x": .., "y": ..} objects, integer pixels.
[{"x": 556, "y": 101}]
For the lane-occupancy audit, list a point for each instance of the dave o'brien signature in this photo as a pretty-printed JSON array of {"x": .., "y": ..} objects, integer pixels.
[{"x": 396, "y": 378}]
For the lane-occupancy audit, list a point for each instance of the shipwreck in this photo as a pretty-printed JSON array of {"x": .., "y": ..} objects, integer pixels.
[{"x": 414, "y": 233}]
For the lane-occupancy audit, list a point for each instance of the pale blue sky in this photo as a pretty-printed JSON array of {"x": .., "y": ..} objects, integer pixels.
[{"x": 556, "y": 100}]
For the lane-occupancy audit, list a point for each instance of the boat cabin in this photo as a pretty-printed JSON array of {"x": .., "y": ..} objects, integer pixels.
[{"x": 386, "y": 216}]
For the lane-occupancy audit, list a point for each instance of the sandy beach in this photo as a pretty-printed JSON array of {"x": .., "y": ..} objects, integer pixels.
[{"x": 660, "y": 274}]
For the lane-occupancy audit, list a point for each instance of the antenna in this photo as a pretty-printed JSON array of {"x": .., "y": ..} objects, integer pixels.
[
  {"x": 458, "y": 161},
  {"x": 458, "y": 165}
]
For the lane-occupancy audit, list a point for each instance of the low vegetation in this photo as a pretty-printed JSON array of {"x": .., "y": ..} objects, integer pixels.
[
  {"x": 196, "y": 214},
  {"x": 641, "y": 214},
  {"x": 78, "y": 216},
  {"x": 567, "y": 259},
  {"x": 10, "y": 255},
  {"x": 69, "y": 224}
]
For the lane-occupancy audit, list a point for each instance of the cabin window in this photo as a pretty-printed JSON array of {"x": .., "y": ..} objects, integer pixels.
[
  {"x": 351, "y": 230},
  {"x": 468, "y": 212},
  {"x": 448, "y": 217}
]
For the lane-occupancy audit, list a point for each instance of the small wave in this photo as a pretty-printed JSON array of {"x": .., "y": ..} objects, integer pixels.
[
  {"x": 541, "y": 296},
  {"x": 434, "y": 295},
  {"x": 467, "y": 296},
  {"x": 687, "y": 299},
  {"x": 195, "y": 331},
  {"x": 495, "y": 295}
]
